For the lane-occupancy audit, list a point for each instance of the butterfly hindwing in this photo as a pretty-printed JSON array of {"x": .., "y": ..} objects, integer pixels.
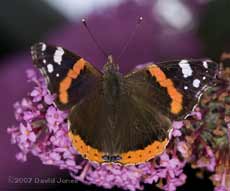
[
  {"x": 67, "y": 75},
  {"x": 175, "y": 85},
  {"x": 131, "y": 129}
]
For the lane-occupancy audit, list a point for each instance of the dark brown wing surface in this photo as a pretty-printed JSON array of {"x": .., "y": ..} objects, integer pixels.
[{"x": 67, "y": 75}]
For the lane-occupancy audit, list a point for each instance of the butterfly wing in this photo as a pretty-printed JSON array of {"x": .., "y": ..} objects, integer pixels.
[
  {"x": 67, "y": 75},
  {"x": 179, "y": 84},
  {"x": 123, "y": 132}
]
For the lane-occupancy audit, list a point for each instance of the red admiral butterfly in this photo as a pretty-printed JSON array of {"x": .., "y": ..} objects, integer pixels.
[{"x": 121, "y": 118}]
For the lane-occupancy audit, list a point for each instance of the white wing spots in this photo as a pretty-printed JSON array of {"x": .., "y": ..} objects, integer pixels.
[
  {"x": 204, "y": 78},
  {"x": 43, "y": 47},
  {"x": 44, "y": 61},
  {"x": 205, "y": 64},
  {"x": 186, "y": 68},
  {"x": 185, "y": 87},
  {"x": 58, "y": 55},
  {"x": 50, "y": 68},
  {"x": 196, "y": 83},
  {"x": 57, "y": 75}
]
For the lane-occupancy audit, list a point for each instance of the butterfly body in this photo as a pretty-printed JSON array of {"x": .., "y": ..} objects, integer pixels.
[
  {"x": 120, "y": 118},
  {"x": 112, "y": 81}
]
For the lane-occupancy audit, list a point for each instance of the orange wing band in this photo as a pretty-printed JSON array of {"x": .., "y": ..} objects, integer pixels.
[
  {"x": 177, "y": 98},
  {"x": 131, "y": 157},
  {"x": 144, "y": 155},
  {"x": 86, "y": 151},
  {"x": 67, "y": 81}
]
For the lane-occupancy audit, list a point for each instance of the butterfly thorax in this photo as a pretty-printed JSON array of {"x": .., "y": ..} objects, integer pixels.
[
  {"x": 112, "y": 81},
  {"x": 110, "y": 66}
]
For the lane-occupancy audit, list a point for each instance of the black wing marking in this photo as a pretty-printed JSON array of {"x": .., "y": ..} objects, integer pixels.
[{"x": 67, "y": 75}]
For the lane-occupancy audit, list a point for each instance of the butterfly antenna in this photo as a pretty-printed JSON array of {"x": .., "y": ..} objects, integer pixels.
[
  {"x": 93, "y": 38},
  {"x": 125, "y": 46}
]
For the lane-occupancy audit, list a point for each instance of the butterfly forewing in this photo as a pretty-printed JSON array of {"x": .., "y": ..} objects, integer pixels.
[
  {"x": 175, "y": 85},
  {"x": 67, "y": 75}
]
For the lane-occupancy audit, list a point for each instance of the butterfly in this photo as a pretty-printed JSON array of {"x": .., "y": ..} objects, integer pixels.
[{"x": 120, "y": 118}]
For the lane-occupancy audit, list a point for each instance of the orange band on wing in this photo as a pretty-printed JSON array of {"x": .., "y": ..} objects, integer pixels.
[
  {"x": 86, "y": 151},
  {"x": 67, "y": 81},
  {"x": 143, "y": 155},
  {"x": 177, "y": 98},
  {"x": 131, "y": 157}
]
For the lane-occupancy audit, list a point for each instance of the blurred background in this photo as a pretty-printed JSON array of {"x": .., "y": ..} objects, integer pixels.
[{"x": 171, "y": 29}]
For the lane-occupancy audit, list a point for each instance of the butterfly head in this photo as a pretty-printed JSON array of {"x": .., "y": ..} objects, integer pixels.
[{"x": 110, "y": 66}]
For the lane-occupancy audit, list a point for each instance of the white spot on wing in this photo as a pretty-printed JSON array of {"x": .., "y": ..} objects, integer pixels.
[
  {"x": 196, "y": 83},
  {"x": 50, "y": 68},
  {"x": 57, "y": 75},
  {"x": 186, "y": 68},
  {"x": 43, "y": 47},
  {"x": 204, "y": 77},
  {"x": 185, "y": 87},
  {"x": 44, "y": 61},
  {"x": 58, "y": 55},
  {"x": 205, "y": 64}
]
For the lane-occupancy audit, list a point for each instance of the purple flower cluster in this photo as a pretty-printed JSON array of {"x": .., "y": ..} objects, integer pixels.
[{"x": 42, "y": 131}]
